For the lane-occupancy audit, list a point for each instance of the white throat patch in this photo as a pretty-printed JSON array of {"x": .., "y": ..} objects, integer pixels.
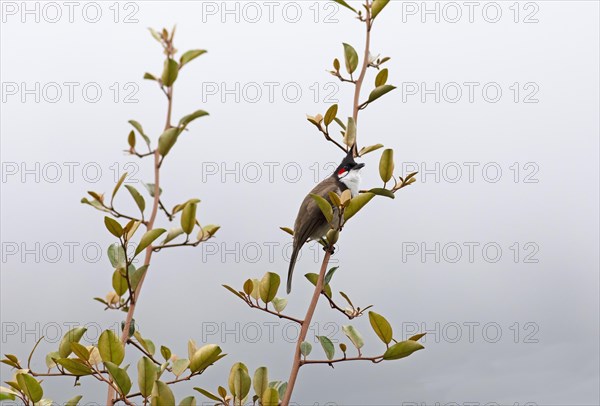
[{"x": 352, "y": 181}]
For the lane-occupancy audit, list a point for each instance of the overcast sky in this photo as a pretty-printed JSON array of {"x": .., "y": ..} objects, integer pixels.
[{"x": 494, "y": 251}]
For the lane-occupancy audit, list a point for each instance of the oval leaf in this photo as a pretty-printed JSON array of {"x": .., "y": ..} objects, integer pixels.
[
  {"x": 270, "y": 397},
  {"x": 328, "y": 346},
  {"x": 261, "y": 381},
  {"x": 120, "y": 377},
  {"x": 381, "y": 326},
  {"x": 72, "y": 336},
  {"x": 386, "y": 165},
  {"x": 324, "y": 206},
  {"x": 113, "y": 226},
  {"x": 357, "y": 203},
  {"x": 148, "y": 238},
  {"x": 188, "y": 218},
  {"x": 137, "y": 197},
  {"x": 351, "y": 58},
  {"x": 401, "y": 350},
  {"x": 170, "y": 72},
  {"x": 147, "y": 374},
  {"x": 204, "y": 357},
  {"x": 190, "y": 56},
  {"x": 30, "y": 386},
  {"x": 354, "y": 336},
  {"x": 162, "y": 395},
  {"x": 110, "y": 347},
  {"x": 380, "y": 91},
  {"x": 268, "y": 287}
]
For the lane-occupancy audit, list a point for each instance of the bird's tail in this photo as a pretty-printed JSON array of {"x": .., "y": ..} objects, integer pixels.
[{"x": 292, "y": 265}]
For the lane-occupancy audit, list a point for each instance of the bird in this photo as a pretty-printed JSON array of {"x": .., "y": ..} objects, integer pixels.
[{"x": 310, "y": 222}]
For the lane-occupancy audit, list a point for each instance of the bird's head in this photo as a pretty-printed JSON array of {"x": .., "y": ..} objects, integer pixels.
[{"x": 348, "y": 167}]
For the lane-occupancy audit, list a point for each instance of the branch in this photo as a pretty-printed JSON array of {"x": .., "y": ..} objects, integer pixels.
[
  {"x": 267, "y": 310},
  {"x": 363, "y": 71},
  {"x": 305, "y": 325},
  {"x": 374, "y": 360}
]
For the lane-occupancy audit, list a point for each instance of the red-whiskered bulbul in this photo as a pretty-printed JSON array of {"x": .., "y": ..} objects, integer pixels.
[{"x": 310, "y": 222}]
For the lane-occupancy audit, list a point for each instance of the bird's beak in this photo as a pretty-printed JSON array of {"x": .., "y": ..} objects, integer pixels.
[{"x": 359, "y": 166}]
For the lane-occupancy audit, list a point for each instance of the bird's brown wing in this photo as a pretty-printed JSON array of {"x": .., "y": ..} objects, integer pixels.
[{"x": 310, "y": 212}]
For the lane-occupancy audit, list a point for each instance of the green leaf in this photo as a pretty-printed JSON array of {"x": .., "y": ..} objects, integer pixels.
[
  {"x": 188, "y": 218},
  {"x": 191, "y": 117},
  {"x": 72, "y": 336},
  {"x": 350, "y": 135},
  {"x": 230, "y": 380},
  {"x": 30, "y": 387},
  {"x": 119, "y": 183},
  {"x": 189, "y": 401},
  {"x": 365, "y": 150},
  {"x": 268, "y": 287},
  {"x": 120, "y": 377},
  {"x": 113, "y": 226},
  {"x": 287, "y": 230},
  {"x": 328, "y": 346},
  {"x": 75, "y": 366},
  {"x": 417, "y": 337},
  {"x": 148, "y": 238},
  {"x": 329, "y": 274},
  {"x": 119, "y": 283},
  {"x": 313, "y": 278},
  {"x": 74, "y": 401},
  {"x": 50, "y": 357},
  {"x": 357, "y": 203},
  {"x": 167, "y": 140},
  {"x": 351, "y": 58},
  {"x": 179, "y": 366},
  {"x": 241, "y": 383},
  {"x": 232, "y": 290},
  {"x": 324, "y": 206},
  {"x": 147, "y": 374},
  {"x": 149, "y": 76},
  {"x": 270, "y": 397},
  {"x": 170, "y": 72},
  {"x": 172, "y": 234},
  {"x": 279, "y": 304},
  {"x": 354, "y": 336},
  {"x": 165, "y": 352},
  {"x": 162, "y": 395},
  {"x": 383, "y": 192},
  {"x": 343, "y": 3},
  {"x": 110, "y": 347},
  {"x": 381, "y": 326},
  {"x": 204, "y": 357},
  {"x": 139, "y": 199},
  {"x": 386, "y": 165},
  {"x": 7, "y": 394},
  {"x": 330, "y": 114},
  {"x": 209, "y": 395},
  {"x": 140, "y": 130},
  {"x": 381, "y": 78},
  {"x": 377, "y": 6},
  {"x": 401, "y": 350},
  {"x": 340, "y": 123},
  {"x": 150, "y": 187},
  {"x": 135, "y": 275},
  {"x": 261, "y": 380},
  {"x": 380, "y": 91},
  {"x": 190, "y": 56},
  {"x": 145, "y": 342},
  {"x": 81, "y": 351},
  {"x": 116, "y": 255},
  {"x": 305, "y": 348}
]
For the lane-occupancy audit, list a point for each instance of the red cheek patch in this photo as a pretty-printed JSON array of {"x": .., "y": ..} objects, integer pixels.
[{"x": 341, "y": 171}]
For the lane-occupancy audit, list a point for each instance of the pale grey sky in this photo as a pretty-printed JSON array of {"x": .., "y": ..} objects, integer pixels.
[{"x": 494, "y": 250}]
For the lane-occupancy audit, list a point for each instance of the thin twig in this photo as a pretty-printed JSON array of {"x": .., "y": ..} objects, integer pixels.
[{"x": 374, "y": 360}]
